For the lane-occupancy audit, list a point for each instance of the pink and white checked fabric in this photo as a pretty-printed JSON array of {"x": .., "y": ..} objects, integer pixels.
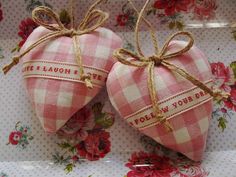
[
  {"x": 57, "y": 97},
  {"x": 187, "y": 107}
]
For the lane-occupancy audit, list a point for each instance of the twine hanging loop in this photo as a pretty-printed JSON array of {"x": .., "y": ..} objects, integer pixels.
[
  {"x": 161, "y": 58},
  {"x": 93, "y": 19}
]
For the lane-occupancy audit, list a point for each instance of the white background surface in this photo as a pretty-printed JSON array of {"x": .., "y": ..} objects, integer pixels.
[{"x": 220, "y": 160}]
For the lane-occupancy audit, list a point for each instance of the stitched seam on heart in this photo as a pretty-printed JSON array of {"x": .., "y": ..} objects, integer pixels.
[
  {"x": 173, "y": 115},
  {"x": 57, "y": 78},
  {"x": 164, "y": 101}
]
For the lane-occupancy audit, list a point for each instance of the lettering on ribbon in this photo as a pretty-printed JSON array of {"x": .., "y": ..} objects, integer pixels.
[
  {"x": 170, "y": 107},
  {"x": 62, "y": 71}
]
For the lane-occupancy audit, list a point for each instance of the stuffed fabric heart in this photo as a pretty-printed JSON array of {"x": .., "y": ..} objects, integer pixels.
[
  {"x": 52, "y": 74},
  {"x": 185, "y": 105}
]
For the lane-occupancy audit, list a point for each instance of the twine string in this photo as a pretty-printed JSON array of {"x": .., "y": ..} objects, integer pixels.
[
  {"x": 161, "y": 57},
  {"x": 93, "y": 19}
]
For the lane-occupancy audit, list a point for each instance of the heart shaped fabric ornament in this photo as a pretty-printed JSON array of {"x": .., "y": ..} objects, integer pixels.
[
  {"x": 67, "y": 71},
  {"x": 52, "y": 74},
  {"x": 186, "y": 106},
  {"x": 167, "y": 96}
]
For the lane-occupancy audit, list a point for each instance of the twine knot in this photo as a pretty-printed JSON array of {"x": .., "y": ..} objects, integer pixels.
[
  {"x": 156, "y": 59},
  {"x": 93, "y": 19},
  {"x": 220, "y": 95},
  {"x": 72, "y": 32},
  {"x": 14, "y": 62},
  {"x": 160, "y": 57},
  {"x": 87, "y": 80}
]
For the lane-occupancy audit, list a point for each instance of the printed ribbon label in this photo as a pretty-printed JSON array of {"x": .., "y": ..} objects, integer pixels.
[
  {"x": 170, "y": 107},
  {"x": 62, "y": 71}
]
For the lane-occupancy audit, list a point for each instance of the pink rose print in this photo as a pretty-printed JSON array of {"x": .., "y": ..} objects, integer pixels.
[
  {"x": 21, "y": 136},
  {"x": 26, "y": 27},
  {"x": 171, "y": 11},
  {"x": 122, "y": 19},
  {"x": 96, "y": 145},
  {"x": 84, "y": 136},
  {"x": 127, "y": 18},
  {"x": 231, "y": 102},
  {"x": 224, "y": 79},
  {"x": 204, "y": 9},
  {"x": 1, "y": 13},
  {"x": 172, "y": 7},
  {"x": 223, "y": 76},
  {"x": 223, "y": 110},
  {"x": 76, "y": 128},
  {"x": 147, "y": 164},
  {"x": 159, "y": 161},
  {"x": 75, "y": 158},
  {"x": 15, "y": 137}
]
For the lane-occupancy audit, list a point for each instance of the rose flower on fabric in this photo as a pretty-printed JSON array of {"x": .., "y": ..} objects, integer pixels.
[
  {"x": 231, "y": 102},
  {"x": 204, "y": 9},
  {"x": 145, "y": 165},
  {"x": 76, "y": 128},
  {"x": 75, "y": 158},
  {"x": 26, "y": 27},
  {"x": 173, "y": 6},
  {"x": 223, "y": 76},
  {"x": 122, "y": 19},
  {"x": 15, "y": 137},
  {"x": 95, "y": 146},
  {"x": 1, "y": 14}
]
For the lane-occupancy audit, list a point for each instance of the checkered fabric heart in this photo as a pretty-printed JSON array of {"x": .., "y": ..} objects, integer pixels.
[
  {"x": 52, "y": 74},
  {"x": 186, "y": 106}
]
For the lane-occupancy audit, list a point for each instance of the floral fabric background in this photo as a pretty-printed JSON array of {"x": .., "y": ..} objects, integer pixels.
[{"x": 96, "y": 142}]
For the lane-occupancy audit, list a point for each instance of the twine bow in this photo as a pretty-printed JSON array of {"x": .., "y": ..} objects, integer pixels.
[
  {"x": 161, "y": 57},
  {"x": 93, "y": 19}
]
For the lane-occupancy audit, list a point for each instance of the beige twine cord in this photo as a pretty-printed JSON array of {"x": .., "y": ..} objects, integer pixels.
[
  {"x": 93, "y": 19},
  {"x": 161, "y": 58}
]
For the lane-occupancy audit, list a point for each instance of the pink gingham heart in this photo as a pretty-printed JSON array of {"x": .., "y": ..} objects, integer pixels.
[
  {"x": 52, "y": 74},
  {"x": 186, "y": 106}
]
